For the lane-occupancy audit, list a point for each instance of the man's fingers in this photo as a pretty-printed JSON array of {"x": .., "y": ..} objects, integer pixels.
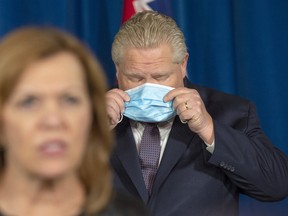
[
  {"x": 175, "y": 93},
  {"x": 115, "y": 100}
]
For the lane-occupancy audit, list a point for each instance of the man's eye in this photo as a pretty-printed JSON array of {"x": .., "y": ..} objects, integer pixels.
[
  {"x": 160, "y": 78},
  {"x": 136, "y": 79}
]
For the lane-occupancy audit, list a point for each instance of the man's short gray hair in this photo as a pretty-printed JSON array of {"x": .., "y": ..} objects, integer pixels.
[{"x": 149, "y": 29}]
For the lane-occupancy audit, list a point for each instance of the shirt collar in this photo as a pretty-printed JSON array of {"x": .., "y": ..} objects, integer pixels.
[{"x": 165, "y": 124}]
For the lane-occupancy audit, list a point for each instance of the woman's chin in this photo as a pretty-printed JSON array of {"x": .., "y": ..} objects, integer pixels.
[{"x": 50, "y": 174}]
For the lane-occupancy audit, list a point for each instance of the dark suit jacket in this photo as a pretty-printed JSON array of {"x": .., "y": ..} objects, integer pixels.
[
  {"x": 190, "y": 180},
  {"x": 123, "y": 205}
]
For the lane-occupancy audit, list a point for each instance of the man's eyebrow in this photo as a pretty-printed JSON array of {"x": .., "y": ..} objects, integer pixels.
[{"x": 130, "y": 72}]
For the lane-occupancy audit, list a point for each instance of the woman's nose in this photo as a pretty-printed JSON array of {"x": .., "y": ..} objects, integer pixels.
[{"x": 52, "y": 116}]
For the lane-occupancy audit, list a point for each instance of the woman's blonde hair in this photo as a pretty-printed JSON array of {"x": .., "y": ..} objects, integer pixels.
[
  {"x": 24, "y": 46},
  {"x": 149, "y": 29}
]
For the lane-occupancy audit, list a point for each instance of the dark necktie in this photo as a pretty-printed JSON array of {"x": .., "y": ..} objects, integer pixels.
[{"x": 149, "y": 152}]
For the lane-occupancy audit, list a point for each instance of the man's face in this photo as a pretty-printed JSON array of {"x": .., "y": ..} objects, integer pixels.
[{"x": 151, "y": 65}]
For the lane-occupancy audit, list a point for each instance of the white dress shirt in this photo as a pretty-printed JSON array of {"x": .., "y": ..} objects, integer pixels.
[{"x": 164, "y": 130}]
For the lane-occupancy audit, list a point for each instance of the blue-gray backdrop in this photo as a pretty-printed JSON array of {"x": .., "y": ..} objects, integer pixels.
[{"x": 237, "y": 46}]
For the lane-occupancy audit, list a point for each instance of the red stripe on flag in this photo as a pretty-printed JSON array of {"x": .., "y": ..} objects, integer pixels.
[{"x": 128, "y": 10}]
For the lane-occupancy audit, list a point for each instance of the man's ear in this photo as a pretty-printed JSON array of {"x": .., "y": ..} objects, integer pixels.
[
  {"x": 117, "y": 70},
  {"x": 184, "y": 65}
]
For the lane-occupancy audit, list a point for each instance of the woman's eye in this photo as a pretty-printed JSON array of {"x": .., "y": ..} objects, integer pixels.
[
  {"x": 28, "y": 102},
  {"x": 71, "y": 100}
]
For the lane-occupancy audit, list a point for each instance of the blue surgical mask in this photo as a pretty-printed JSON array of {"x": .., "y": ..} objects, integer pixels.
[{"x": 146, "y": 103}]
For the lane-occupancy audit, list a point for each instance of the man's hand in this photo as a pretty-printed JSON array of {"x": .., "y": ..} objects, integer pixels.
[
  {"x": 115, "y": 101},
  {"x": 191, "y": 109}
]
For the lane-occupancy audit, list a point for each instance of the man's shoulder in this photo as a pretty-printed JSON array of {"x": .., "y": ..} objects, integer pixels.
[{"x": 212, "y": 95}]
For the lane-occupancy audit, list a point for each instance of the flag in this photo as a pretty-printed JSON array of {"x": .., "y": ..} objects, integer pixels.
[{"x": 130, "y": 7}]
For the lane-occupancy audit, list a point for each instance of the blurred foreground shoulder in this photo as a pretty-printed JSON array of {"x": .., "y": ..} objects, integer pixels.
[{"x": 123, "y": 205}]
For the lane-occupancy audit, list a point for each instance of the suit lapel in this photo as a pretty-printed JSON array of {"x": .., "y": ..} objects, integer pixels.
[
  {"x": 127, "y": 153},
  {"x": 179, "y": 139}
]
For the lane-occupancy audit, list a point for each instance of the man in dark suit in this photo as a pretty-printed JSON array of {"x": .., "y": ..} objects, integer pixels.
[{"x": 212, "y": 147}]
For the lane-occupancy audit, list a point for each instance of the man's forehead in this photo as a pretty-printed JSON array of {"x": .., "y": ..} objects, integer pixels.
[
  {"x": 161, "y": 51},
  {"x": 157, "y": 65}
]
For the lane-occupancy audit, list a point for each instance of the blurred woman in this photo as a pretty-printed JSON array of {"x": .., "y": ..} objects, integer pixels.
[{"x": 54, "y": 136}]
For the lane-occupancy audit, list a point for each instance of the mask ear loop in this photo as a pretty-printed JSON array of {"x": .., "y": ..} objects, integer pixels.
[{"x": 121, "y": 118}]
